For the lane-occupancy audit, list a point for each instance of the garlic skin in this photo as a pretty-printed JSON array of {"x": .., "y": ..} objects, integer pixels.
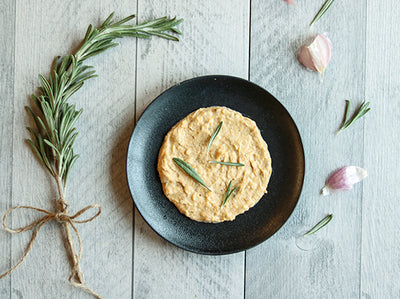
[
  {"x": 343, "y": 179},
  {"x": 290, "y": 2},
  {"x": 317, "y": 55}
]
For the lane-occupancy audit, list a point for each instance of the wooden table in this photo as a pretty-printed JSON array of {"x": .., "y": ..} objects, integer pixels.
[{"x": 358, "y": 256}]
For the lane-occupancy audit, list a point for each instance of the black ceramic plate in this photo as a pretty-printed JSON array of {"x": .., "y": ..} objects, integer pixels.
[{"x": 277, "y": 129}]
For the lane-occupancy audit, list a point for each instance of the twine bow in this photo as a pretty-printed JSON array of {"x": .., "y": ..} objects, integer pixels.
[{"x": 61, "y": 215}]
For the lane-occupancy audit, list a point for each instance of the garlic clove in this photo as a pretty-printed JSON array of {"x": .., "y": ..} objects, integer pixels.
[
  {"x": 317, "y": 55},
  {"x": 290, "y": 2},
  {"x": 343, "y": 179},
  {"x": 306, "y": 59}
]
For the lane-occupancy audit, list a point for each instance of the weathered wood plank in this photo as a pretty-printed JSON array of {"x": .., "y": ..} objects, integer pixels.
[
  {"x": 358, "y": 255},
  {"x": 380, "y": 259},
  {"x": 214, "y": 41},
  {"x": 7, "y": 38},
  {"x": 99, "y": 174},
  {"x": 278, "y": 268}
]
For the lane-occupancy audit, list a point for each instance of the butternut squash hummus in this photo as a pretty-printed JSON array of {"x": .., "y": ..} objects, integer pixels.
[{"x": 238, "y": 141}]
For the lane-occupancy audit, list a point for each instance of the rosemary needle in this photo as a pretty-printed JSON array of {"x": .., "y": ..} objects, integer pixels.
[
  {"x": 319, "y": 225},
  {"x": 214, "y": 135},
  {"x": 190, "y": 171},
  {"x": 226, "y": 163},
  {"x": 228, "y": 193},
  {"x": 322, "y": 11},
  {"x": 360, "y": 112}
]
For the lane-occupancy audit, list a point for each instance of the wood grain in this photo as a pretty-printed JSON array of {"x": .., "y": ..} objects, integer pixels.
[
  {"x": 7, "y": 37},
  {"x": 278, "y": 268},
  {"x": 214, "y": 41},
  {"x": 380, "y": 257}
]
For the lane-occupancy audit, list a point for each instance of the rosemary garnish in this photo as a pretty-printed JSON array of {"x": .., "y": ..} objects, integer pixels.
[
  {"x": 190, "y": 171},
  {"x": 360, "y": 112},
  {"x": 319, "y": 225},
  {"x": 226, "y": 163},
  {"x": 322, "y": 11},
  {"x": 214, "y": 135},
  {"x": 228, "y": 193}
]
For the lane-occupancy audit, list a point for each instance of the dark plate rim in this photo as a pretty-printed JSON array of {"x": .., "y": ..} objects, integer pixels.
[{"x": 177, "y": 86}]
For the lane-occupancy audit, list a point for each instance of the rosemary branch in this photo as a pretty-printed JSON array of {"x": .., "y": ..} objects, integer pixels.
[{"x": 54, "y": 134}]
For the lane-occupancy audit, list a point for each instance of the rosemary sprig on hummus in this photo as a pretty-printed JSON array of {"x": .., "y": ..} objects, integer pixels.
[
  {"x": 319, "y": 225},
  {"x": 190, "y": 171},
  {"x": 214, "y": 135},
  {"x": 228, "y": 193},
  {"x": 226, "y": 163}
]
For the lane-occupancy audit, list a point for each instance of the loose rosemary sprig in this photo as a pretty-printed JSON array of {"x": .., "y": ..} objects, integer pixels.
[
  {"x": 322, "y": 11},
  {"x": 360, "y": 112},
  {"x": 190, "y": 171},
  {"x": 214, "y": 135},
  {"x": 54, "y": 136},
  {"x": 319, "y": 225},
  {"x": 226, "y": 163},
  {"x": 228, "y": 193}
]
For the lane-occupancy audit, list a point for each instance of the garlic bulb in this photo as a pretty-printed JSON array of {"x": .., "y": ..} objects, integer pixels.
[
  {"x": 317, "y": 55},
  {"x": 343, "y": 179}
]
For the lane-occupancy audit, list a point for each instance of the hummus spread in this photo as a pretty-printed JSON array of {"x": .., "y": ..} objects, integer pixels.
[{"x": 238, "y": 141}]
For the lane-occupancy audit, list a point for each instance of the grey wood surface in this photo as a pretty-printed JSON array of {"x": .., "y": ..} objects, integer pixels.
[
  {"x": 380, "y": 255},
  {"x": 332, "y": 270},
  {"x": 355, "y": 256},
  {"x": 7, "y": 37}
]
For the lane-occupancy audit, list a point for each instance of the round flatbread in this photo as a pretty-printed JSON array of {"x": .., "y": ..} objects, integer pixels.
[{"x": 238, "y": 141}]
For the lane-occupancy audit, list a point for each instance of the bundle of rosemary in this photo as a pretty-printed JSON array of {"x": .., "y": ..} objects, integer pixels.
[{"x": 54, "y": 134}]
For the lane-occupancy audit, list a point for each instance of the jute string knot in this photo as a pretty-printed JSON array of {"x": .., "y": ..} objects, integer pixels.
[
  {"x": 62, "y": 216},
  {"x": 61, "y": 207}
]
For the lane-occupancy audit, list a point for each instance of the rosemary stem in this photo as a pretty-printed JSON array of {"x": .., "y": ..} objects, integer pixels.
[
  {"x": 78, "y": 275},
  {"x": 57, "y": 171},
  {"x": 71, "y": 247},
  {"x": 60, "y": 188}
]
